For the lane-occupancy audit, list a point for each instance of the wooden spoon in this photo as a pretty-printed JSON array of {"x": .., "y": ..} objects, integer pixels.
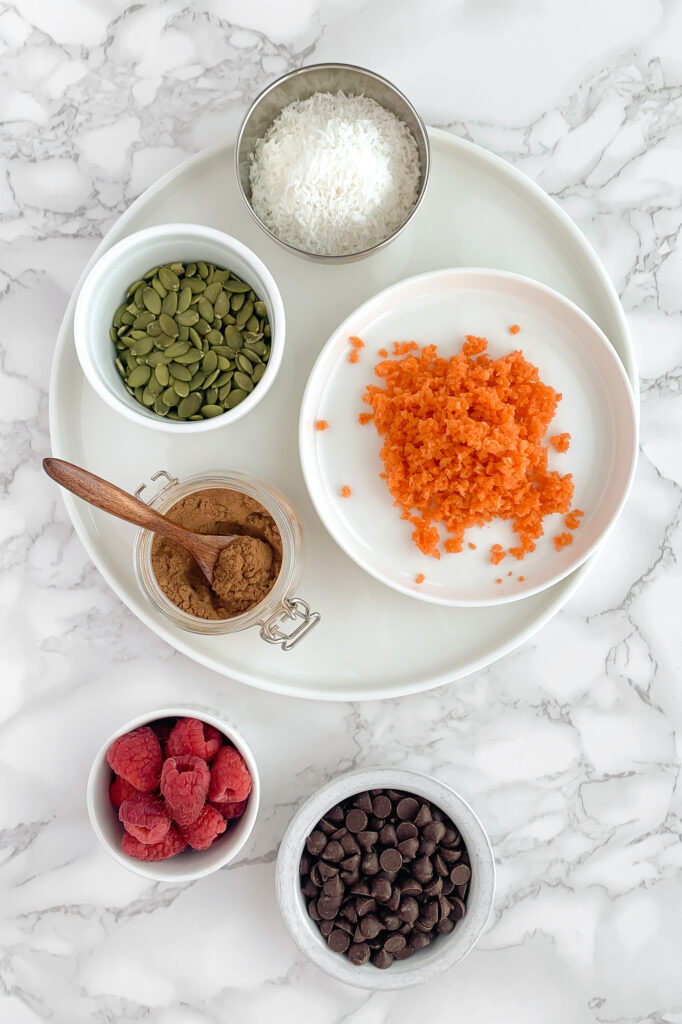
[{"x": 110, "y": 498}]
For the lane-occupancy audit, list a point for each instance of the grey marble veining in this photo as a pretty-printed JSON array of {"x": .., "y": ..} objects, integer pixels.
[{"x": 568, "y": 748}]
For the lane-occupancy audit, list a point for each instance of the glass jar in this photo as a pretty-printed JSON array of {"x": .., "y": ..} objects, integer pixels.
[{"x": 283, "y": 618}]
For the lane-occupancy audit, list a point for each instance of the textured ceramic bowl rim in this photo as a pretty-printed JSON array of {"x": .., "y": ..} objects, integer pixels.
[
  {"x": 425, "y": 166},
  {"x": 176, "y": 869},
  {"x": 92, "y": 321},
  {"x": 426, "y": 963}
]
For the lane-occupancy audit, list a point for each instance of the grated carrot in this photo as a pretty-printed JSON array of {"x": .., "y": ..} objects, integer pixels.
[
  {"x": 497, "y": 554},
  {"x": 354, "y": 356},
  {"x": 498, "y": 580},
  {"x": 573, "y": 518},
  {"x": 463, "y": 443},
  {"x": 365, "y": 417},
  {"x": 472, "y": 546},
  {"x": 563, "y": 540},
  {"x": 522, "y": 579},
  {"x": 561, "y": 442},
  {"x": 514, "y": 328},
  {"x": 322, "y": 425},
  {"x": 346, "y": 492},
  {"x": 356, "y": 342},
  {"x": 420, "y": 578},
  {"x": 383, "y": 353}
]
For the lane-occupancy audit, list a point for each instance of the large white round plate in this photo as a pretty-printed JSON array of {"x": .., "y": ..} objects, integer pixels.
[
  {"x": 372, "y": 641},
  {"x": 441, "y": 308}
]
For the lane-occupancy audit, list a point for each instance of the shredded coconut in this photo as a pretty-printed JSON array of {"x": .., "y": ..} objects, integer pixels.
[{"x": 335, "y": 174}]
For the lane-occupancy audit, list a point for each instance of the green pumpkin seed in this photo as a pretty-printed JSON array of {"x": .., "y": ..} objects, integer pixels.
[
  {"x": 180, "y": 372},
  {"x": 164, "y": 342},
  {"x": 138, "y": 392},
  {"x": 190, "y": 405},
  {"x": 189, "y": 318},
  {"x": 170, "y": 304},
  {"x": 202, "y": 269},
  {"x": 183, "y": 332},
  {"x": 211, "y": 396},
  {"x": 210, "y": 379},
  {"x": 251, "y": 355},
  {"x": 195, "y": 338},
  {"x": 133, "y": 288},
  {"x": 152, "y": 300},
  {"x": 159, "y": 288},
  {"x": 170, "y": 397},
  {"x": 258, "y": 372},
  {"x": 209, "y": 362},
  {"x": 184, "y": 299},
  {"x": 236, "y": 302},
  {"x": 190, "y": 270},
  {"x": 148, "y": 398},
  {"x": 178, "y": 348},
  {"x": 197, "y": 380},
  {"x": 189, "y": 358},
  {"x": 181, "y": 388},
  {"x": 151, "y": 273},
  {"x": 244, "y": 364},
  {"x": 242, "y": 381},
  {"x": 221, "y": 305},
  {"x": 233, "y": 338},
  {"x": 223, "y": 363},
  {"x": 234, "y": 398},
  {"x": 244, "y": 314},
  {"x": 208, "y": 411},
  {"x": 197, "y": 285},
  {"x": 157, "y": 359},
  {"x": 168, "y": 325},
  {"x": 160, "y": 407},
  {"x": 213, "y": 291},
  {"x": 224, "y": 378},
  {"x": 235, "y": 285},
  {"x": 260, "y": 309},
  {"x": 162, "y": 375},
  {"x": 120, "y": 367},
  {"x": 266, "y": 330},
  {"x": 154, "y": 387},
  {"x": 214, "y": 337},
  {"x": 205, "y": 309},
  {"x": 154, "y": 329},
  {"x": 118, "y": 315},
  {"x": 224, "y": 391},
  {"x": 113, "y": 334},
  {"x": 253, "y": 323},
  {"x": 141, "y": 322},
  {"x": 143, "y": 346},
  {"x": 169, "y": 279}
]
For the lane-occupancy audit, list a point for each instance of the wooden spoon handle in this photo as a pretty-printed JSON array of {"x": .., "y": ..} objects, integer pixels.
[{"x": 112, "y": 499}]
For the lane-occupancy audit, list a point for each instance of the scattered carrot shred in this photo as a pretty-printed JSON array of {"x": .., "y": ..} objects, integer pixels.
[
  {"x": 510, "y": 573},
  {"x": 514, "y": 328},
  {"x": 354, "y": 356},
  {"x": 563, "y": 540},
  {"x": 322, "y": 425},
  {"x": 365, "y": 417},
  {"x": 383, "y": 353},
  {"x": 573, "y": 518},
  {"x": 561, "y": 442},
  {"x": 497, "y": 554},
  {"x": 346, "y": 492},
  {"x": 356, "y": 342},
  {"x": 498, "y": 580},
  {"x": 472, "y": 546},
  {"x": 522, "y": 579},
  {"x": 462, "y": 443},
  {"x": 420, "y": 578}
]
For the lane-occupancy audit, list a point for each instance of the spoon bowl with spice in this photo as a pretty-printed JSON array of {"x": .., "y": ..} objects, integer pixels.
[{"x": 220, "y": 558}]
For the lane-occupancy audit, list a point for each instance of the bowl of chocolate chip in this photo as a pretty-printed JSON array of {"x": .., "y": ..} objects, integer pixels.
[{"x": 385, "y": 878}]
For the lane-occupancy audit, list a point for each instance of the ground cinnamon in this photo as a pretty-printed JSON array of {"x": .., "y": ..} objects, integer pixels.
[{"x": 246, "y": 571}]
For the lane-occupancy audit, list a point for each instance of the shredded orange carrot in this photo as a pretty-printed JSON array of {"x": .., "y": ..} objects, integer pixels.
[
  {"x": 346, "y": 492},
  {"x": 522, "y": 579},
  {"x": 561, "y": 442},
  {"x": 510, "y": 573},
  {"x": 573, "y": 518},
  {"x": 383, "y": 353},
  {"x": 472, "y": 546},
  {"x": 356, "y": 342},
  {"x": 365, "y": 417},
  {"x": 498, "y": 580},
  {"x": 420, "y": 578},
  {"x": 322, "y": 425},
  {"x": 462, "y": 443},
  {"x": 563, "y": 540},
  {"x": 497, "y": 554},
  {"x": 354, "y": 356},
  {"x": 514, "y": 328}
]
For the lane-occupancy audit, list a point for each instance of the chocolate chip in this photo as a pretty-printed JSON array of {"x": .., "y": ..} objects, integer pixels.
[
  {"x": 370, "y": 926},
  {"x": 335, "y": 815},
  {"x": 351, "y": 863},
  {"x": 395, "y": 943},
  {"x": 309, "y": 888},
  {"x": 394, "y": 901},
  {"x": 404, "y": 954},
  {"x": 408, "y": 848},
  {"x": 316, "y": 875},
  {"x": 391, "y": 922},
  {"x": 460, "y": 874},
  {"x": 422, "y": 870},
  {"x": 312, "y": 911},
  {"x": 388, "y": 835},
  {"x": 418, "y": 940},
  {"x": 424, "y": 815},
  {"x": 360, "y": 888},
  {"x": 356, "y": 820},
  {"x": 305, "y": 864},
  {"x": 340, "y": 833},
  {"x": 458, "y": 908},
  {"x": 447, "y": 887},
  {"x": 339, "y": 941},
  {"x": 367, "y": 839},
  {"x": 393, "y": 794},
  {"x": 382, "y": 959},
  {"x": 391, "y": 860},
  {"x": 316, "y": 842},
  {"x": 429, "y": 914},
  {"x": 365, "y": 905},
  {"x": 326, "y": 871},
  {"x": 381, "y": 806},
  {"x": 435, "y": 887},
  {"x": 434, "y": 831},
  {"x": 411, "y": 887},
  {"x": 406, "y": 830},
  {"x": 358, "y": 954},
  {"x": 426, "y": 847},
  {"x": 333, "y": 851},
  {"x": 350, "y": 913},
  {"x": 461, "y": 890},
  {"x": 370, "y": 863},
  {"x": 445, "y": 926},
  {"x": 381, "y": 889},
  {"x": 451, "y": 837},
  {"x": 449, "y": 856},
  {"x": 333, "y": 887},
  {"x": 344, "y": 924},
  {"x": 409, "y": 909},
  {"x": 350, "y": 844},
  {"x": 327, "y": 827},
  {"x": 407, "y": 808},
  {"x": 328, "y": 907},
  {"x": 364, "y": 802},
  {"x": 444, "y": 908},
  {"x": 357, "y": 935},
  {"x": 439, "y": 865},
  {"x": 326, "y": 928}
]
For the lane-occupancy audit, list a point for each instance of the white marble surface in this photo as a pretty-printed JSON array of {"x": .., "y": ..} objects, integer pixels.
[{"x": 568, "y": 748}]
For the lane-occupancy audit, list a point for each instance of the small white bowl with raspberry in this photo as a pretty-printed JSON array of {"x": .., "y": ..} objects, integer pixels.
[{"x": 173, "y": 795}]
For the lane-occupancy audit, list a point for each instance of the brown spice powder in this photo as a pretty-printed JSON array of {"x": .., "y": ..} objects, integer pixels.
[{"x": 246, "y": 571}]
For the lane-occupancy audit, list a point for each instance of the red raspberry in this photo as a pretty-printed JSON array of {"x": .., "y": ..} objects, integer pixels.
[
  {"x": 137, "y": 757},
  {"x": 172, "y": 843},
  {"x": 120, "y": 790},
  {"x": 207, "y": 827},
  {"x": 230, "y": 778},
  {"x": 190, "y": 736},
  {"x": 230, "y": 808},
  {"x": 184, "y": 784},
  {"x": 145, "y": 817}
]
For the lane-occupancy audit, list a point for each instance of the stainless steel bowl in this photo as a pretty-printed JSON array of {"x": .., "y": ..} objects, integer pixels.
[{"x": 299, "y": 85}]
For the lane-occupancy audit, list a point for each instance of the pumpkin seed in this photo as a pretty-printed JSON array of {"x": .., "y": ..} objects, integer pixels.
[
  {"x": 211, "y": 396},
  {"x": 170, "y": 303},
  {"x": 244, "y": 364},
  {"x": 190, "y": 270},
  {"x": 242, "y": 381},
  {"x": 259, "y": 309},
  {"x": 141, "y": 322},
  {"x": 252, "y": 324},
  {"x": 234, "y": 398},
  {"x": 235, "y": 285},
  {"x": 189, "y": 318},
  {"x": 152, "y": 300},
  {"x": 214, "y": 337},
  {"x": 224, "y": 378},
  {"x": 178, "y": 348},
  {"x": 157, "y": 359},
  {"x": 154, "y": 329},
  {"x": 224, "y": 391},
  {"x": 213, "y": 291},
  {"x": 197, "y": 380},
  {"x": 251, "y": 355},
  {"x": 160, "y": 407},
  {"x": 148, "y": 398},
  {"x": 209, "y": 362},
  {"x": 120, "y": 367},
  {"x": 190, "y": 405},
  {"x": 184, "y": 299},
  {"x": 221, "y": 304},
  {"x": 180, "y": 372},
  {"x": 170, "y": 397},
  {"x": 159, "y": 288},
  {"x": 133, "y": 288},
  {"x": 244, "y": 314},
  {"x": 168, "y": 325},
  {"x": 236, "y": 302},
  {"x": 143, "y": 346},
  {"x": 205, "y": 309},
  {"x": 233, "y": 338},
  {"x": 210, "y": 379},
  {"x": 113, "y": 334},
  {"x": 151, "y": 273},
  {"x": 154, "y": 387},
  {"x": 118, "y": 315},
  {"x": 223, "y": 363},
  {"x": 169, "y": 279},
  {"x": 202, "y": 269},
  {"x": 258, "y": 372},
  {"x": 162, "y": 375},
  {"x": 197, "y": 285},
  {"x": 208, "y": 411},
  {"x": 181, "y": 388}
]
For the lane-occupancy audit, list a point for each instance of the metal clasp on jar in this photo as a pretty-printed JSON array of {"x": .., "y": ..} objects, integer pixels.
[
  {"x": 171, "y": 480},
  {"x": 292, "y": 609}
]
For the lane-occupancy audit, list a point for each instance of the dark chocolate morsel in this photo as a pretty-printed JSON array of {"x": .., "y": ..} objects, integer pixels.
[
  {"x": 356, "y": 820},
  {"x": 333, "y": 851},
  {"x": 391, "y": 859},
  {"x": 370, "y": 926},
  {"x": 406, "y": 830},
  {"x": 435, "y": 887},
  {"x": 350, "y": 844},
  {"x": 427, "y": 848},
  {"x": 409, "y": 909},
  {"x": 418, "y": 940},
  {"x": 408, "y": 848},
  {"x": 381, "y": 889},
  {"x": 364, "y": 802},
  {"x": 305, "y": 864},
  {"x": 407, "y": 808},
  {"x": 344, "y": 925},
  {"x": 447, "y": 887},
  {"x": 394, "y": 943},
  {"x": 370, "y": 863},
  {"x": 391, "y": 922},
  {"x": 358, "y": 953},
  {"x": 360, "y": 888},
  {"x": 367, "y": 839},
  {"x": 312, "y": 911},
  {"x": 339, "y": 941},
  {"x": 326, "y": 928},
  {"x": 326, "y": 871},
  {"x": 315, "y": 843},
  {"x": 423, "y": 871},
  {"x": 394, "y": 901},
  {"x": 381, "y": 806},
  {"x": 382, "y": 959},
  {"x": 424, "y": 815},
  {"x": 458, "y": 908},
  {"x": 335, "y": 815},
  {"x": 309, "y": 888},
  {"x": 333, "y": 887},
  {"x": 445, "y": 926},
  {"x": 460, "y": 874},
  {"x": 351, "y": 863},
  {"x": 388, "y": 835},
  {"x": 404, "y": 954},
  {"x": 327, "y": 827},
  {"x": 449, "y": 856},
  {"x": 434, "y": 831}
]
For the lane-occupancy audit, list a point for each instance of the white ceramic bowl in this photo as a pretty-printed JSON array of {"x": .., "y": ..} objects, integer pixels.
[
  {"x": 426, "y": 963},
  {"x": 441, "y": 307},
  {"x": 190, "y": 864},
  {"x": 104, "y": 289}
]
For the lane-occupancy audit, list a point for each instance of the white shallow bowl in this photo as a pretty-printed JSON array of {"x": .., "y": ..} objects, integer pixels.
[
  {"x": 190, "y": 864},
  {"x": 104, "y": 290},
  {"x": 426, "y": 963},
  {"x": 441, "y": 307}
]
